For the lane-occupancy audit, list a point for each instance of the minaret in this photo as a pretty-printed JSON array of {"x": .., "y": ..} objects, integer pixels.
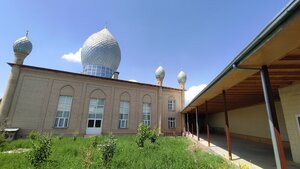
[
  {"x": 159, "y": 74},
  {"x": 181, "y": 78},
  {"x": 22, "y": 48}
]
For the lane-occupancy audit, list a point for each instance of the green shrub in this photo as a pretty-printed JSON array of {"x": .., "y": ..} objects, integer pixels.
[
  {"x": 108, "y": 148},
  {"x": 2, "y": 139},
  {"x": 33, "y": 135},
  {"x": 142, "y": 134},
  {"x": 41, "y": 150},
  {"x": 153, "y": 135},
  {"x": 2, "y": 133}
]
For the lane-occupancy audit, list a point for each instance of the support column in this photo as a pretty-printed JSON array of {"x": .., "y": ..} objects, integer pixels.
[
  {"x": 197, "y": 124},
  {"x": 192, "y": 130},
  {"x": 272, "y": 118},
  {"x": 183, "y": 124},
  {"x": 207, "y": 125},
  {"x": 227, "y": 126},
  {"x": 187, "y": 123}
]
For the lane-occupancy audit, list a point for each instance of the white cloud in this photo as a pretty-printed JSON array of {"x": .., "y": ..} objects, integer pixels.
[
  {"x": 132, "y": 80},
  {"x": 73, "y": 57},
  {"x": 192, "y": 92}
]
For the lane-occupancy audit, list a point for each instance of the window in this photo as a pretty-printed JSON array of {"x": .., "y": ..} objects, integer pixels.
[
  {"x": 171, "y": 105},
  {"x": 298, "y": 121},
  {"x": 63, "y": 111},
  {"x": 124, "y": 111},
  {"x": 96, "y": 110},
  {"x": 171, "y": 122},
  {"x": 146, "y": 113}
]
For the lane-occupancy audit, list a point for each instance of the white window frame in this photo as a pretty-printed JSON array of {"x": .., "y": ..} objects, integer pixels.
[
  {"x": 123, "y": 122},
  {"x": 171, "y": 122},
  {"x": 146, "y": 112},
  {"x": 64, "y": 106},
  {"x": 171, "y": 105}
]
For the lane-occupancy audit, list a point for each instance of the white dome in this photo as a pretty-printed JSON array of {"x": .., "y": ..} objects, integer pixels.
[
  {"x": 22, "y": 45},
  {"x": 181, "y": 77},
  {"x": 160, "y": 73},
  {"x": 101, "y": 49}
]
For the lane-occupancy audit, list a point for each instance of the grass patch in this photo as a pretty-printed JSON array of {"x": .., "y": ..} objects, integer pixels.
[
  {"x": 12, "y": 145},
  {"x": 168, "y": 152}
]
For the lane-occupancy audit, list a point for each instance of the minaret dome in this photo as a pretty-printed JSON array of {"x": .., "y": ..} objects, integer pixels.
[
  {"x": 181, "y": 78},
  {"x": 22, "y": 48},
  {"x": 160, "y": 75}
]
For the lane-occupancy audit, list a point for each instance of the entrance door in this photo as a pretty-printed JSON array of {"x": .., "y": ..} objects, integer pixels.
[{"x": 95, "y": 117}]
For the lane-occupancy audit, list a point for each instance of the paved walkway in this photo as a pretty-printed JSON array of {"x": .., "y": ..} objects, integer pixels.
[{"x": 252, "y": 154}]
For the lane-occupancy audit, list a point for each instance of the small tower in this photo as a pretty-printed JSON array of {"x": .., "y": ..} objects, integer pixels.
[
  {"x": 159, "y": 74},
  {"x": 116, "y": 75},
  {"x": 181, "y": 78},
  {"x": 22, "y": 48}
]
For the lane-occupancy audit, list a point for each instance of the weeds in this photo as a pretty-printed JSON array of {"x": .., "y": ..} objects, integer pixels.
[
  {"x": 95, "y": 141},
  {"x": 169, "y": 153},
  {"x": 153, "y": 135},
  {"x": 33, "y": 135},
  {"x": 108, "y": 148},
  {"x": 87, "y": 158},
  {"x": 41, "y": 150},
  {"x": 142, "y": 134},
  {"x": 2, "y": 133}
]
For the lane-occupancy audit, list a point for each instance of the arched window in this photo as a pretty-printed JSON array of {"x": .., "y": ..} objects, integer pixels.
[
  {"x": 146, "y": 110},
  {"x": 124, "y": 110},
  {"x": 171, "y": 122},
  {"x": 171, "y": 104},
  {"x": 64, "y": 107},
  {"x": 96, "y": 111}
]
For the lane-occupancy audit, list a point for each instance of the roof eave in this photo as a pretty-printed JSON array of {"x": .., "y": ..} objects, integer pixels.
[{"x": 281, "y": 18}]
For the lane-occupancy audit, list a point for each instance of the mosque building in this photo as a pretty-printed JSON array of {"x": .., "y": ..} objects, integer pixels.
[
  {"x": 93, "y": 102},
  {"x": 254, "y": 100}
]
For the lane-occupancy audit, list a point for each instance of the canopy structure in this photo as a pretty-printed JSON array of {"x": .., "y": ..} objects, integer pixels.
[
  {"x": 277, "y": 46},
  {"x": 268, "y": 64}
]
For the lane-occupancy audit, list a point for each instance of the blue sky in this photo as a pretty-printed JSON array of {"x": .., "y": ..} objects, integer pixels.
[{"x": 198, "y": 37}]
